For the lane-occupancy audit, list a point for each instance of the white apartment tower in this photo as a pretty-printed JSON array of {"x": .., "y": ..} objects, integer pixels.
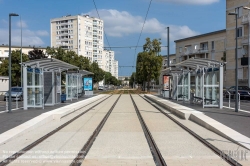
[
  {"x": 80, "y": 33},
  {"x": 111, "y": 65}
]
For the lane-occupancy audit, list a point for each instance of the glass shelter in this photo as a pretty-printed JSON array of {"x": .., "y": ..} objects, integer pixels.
[
  {"x": 42, "y": 81},
  {"x": 208, "y": 77}
]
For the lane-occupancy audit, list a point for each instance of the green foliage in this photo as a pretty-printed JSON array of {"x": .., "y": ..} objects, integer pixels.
[
  {"x": 132, "y": 79},
  {"x": 148, "y": 63},
  {"x": 36, "y": 54},
  {"x": 98, "y": 72},
  {"x": 15, "y": 67}
]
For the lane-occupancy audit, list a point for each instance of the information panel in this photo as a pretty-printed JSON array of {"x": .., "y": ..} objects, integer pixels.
[
  {"x": 88, "y": 83},
  {"x": 165, "y": 82}
]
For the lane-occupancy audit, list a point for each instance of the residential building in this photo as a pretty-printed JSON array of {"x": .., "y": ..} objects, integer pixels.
[
  {"x": 84, "y": 35},
  {"x": 4, "y": 50},
  {"x": 80, "y": 33},
  {"x": 109, "y": 62},
  {"x": 124, "y": 79},
  {"x": 242, "y": 35},
  {"x": 209, "y": 45}
]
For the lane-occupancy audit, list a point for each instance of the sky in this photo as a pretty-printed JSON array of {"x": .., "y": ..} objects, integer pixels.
[{"x": 123, "y": 22}]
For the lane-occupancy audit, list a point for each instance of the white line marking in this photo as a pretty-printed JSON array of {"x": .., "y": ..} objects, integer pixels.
[
  {"x": 239, "y": 110},
  {"x": 11, "y": 110}
]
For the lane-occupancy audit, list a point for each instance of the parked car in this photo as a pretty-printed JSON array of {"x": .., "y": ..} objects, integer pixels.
[
  {"x": 244, "y": 92},
  {"x": 100, "y": 88},
  {"x": 16, "y": 94}
]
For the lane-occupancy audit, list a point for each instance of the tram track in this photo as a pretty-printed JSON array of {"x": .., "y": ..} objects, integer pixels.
[
  {"x": 159, "y": 160},
  {"x": 217, "y": 151},
  {"x": 83, "y": 152},
  {"x": 41, "y": 139}
]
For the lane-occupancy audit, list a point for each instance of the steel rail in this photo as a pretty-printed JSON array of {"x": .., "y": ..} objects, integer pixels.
[
  {"x": 217, "y": 151},
  {"x": 35, "y": 143},
  {"x": 85, "y": 149},
  {"x": 159, "y": 160}
]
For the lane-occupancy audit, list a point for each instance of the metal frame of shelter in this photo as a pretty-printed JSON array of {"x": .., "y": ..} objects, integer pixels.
[
  {"x": 208, "y": 81},
  {"x": 42, "y": 81}
]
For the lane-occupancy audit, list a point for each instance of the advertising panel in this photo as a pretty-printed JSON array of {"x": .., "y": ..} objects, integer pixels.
[
  {"x": 166, "y": 82},
  {"x": 88, "y": 83}
]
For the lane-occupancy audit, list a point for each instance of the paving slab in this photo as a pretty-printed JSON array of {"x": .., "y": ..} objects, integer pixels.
[
  {"x": 121, "y": 141},
  {"x": 210, "y": 123},
  {"x": 17, "y": 117},
  {"x": 218, "y": 141},
  {"x": 176, "y": 145},
  {"x": 61, "y": 147}
]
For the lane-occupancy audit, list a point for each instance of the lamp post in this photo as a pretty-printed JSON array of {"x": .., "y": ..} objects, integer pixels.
[
  {"x": 21, "y": 51},
  {"x": 9, "y": 105},
  {"x": 236, "y": 62},
  {"x": 247, "y": 8},
  {"x": 168, "y": 45}
]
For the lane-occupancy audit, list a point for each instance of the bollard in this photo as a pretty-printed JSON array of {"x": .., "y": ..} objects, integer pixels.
[
  {"x": 7, "y": 104},
  {"x": 239, "y": 100},
  {"x": 16, "y": 102},
  {"x": 229, "y": 98}
]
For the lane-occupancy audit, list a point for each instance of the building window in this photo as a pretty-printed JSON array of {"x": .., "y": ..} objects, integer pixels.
[
  {"x": 239, "y": 32},
  {"x": 212, "y": 43},
  {"x": 238, "y": 10},
  {"x": 180, "y": 49},
  {"x": 204, "y": 46}
]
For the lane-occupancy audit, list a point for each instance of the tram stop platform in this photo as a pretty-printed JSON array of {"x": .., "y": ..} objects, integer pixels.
[
  {"x": 234, "y": 126},
  {"x": 20, "y": 116}
]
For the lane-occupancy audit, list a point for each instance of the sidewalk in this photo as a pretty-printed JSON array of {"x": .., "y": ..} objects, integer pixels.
[
  {"x": 17, "y": 117},
  {"x": 238, "y": 121}
]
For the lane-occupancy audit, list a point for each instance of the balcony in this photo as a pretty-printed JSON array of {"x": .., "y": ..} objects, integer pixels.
[
  {"x": 245, "y": 40},
  {"x": 245, "y": 19}
]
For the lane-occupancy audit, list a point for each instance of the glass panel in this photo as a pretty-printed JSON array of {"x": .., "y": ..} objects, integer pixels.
[
  {"x": 37, "y": 79},
  {"x": 29, "y": 78},
  {"x": 212, "y": 95},
  {"x": 30, "y": 97},
  {"x": 38, "y": 96}
]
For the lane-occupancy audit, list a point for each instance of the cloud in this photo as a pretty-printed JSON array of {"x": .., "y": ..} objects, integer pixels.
[
  {"x": 42, "y": 33},
  {"x": 191, "y": 2},
  {"x": 28, "y": 37},
  {"x": 21, "y": 24},
  {"x": 119, "y": 24}
]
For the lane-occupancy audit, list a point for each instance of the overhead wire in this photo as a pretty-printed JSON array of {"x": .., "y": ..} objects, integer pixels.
[
  {"x": 103, "y": 27},
  {"x": 141, "y": 31}
]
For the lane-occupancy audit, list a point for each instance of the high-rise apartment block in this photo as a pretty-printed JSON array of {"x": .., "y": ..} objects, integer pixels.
[
  {"x": 82, "y": 34},
  {"x": 221, "y": 45}
]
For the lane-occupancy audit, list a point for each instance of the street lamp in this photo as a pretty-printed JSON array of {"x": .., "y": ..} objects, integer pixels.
[
  {"x": 168, "y": 45},
  {"x": 247, "y": 8},
  {"x": 21, "y": 51},
  {"x": 236, "y": 63},
  {"x": 11, "y": 14}
]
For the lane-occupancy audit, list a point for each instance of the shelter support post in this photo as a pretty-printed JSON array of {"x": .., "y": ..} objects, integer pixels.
[
  {"x": 221, "y": 87},
  {"x": 25, "y": 98}
]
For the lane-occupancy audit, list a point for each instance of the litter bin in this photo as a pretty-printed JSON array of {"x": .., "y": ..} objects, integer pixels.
[{"x": 63, "y": 98}]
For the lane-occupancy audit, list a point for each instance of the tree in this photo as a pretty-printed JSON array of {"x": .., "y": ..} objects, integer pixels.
[
  {"x": 149, "y": 62},
  {"x": 132, "y": 79},
  {"x": 15, "y": 67},
  {"x": 98, "y": 72},
  {"x": 36, "y": 54}
]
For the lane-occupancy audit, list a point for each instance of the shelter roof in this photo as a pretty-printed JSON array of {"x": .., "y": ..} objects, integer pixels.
[
  {"x": 173, "y": 70},
  {"x": 82, "y": 72},
  {"x": 49, "y": 64},
  {"x": 196, "y": 63}
]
